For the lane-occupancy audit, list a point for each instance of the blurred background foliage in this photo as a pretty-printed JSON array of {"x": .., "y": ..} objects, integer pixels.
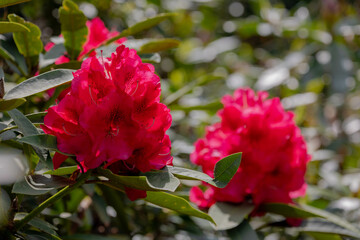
[{"x": 304, "y": 52}]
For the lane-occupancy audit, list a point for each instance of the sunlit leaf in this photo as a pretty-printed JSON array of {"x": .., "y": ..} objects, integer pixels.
[
  {"x": 62, "y": 171},
  {"x": 159, "y": 45},
  {"x": 5, "y": 3},
  {"x": 6, "y": 105},
  {"x": 6, "y": 27},
  {"x": 175, "y": 203},
  {"x": 29, "y": 44},
  {"x": 73, "y": 28},
  {"x": 141, "y": 26},
  {"x": 40, "y": 83}
]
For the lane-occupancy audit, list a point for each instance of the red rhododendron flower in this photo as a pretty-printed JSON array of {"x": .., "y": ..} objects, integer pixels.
[
  {"x": 111, "y": 116},
  {"x": 274, "y": 152},
  {"x": 97, "y": 34}
]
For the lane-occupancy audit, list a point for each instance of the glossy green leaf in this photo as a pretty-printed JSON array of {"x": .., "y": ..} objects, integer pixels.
[
  {"x": 176, "y": 204},
  {"x": 73, "y": 28},
  {"x": 226, "y": 168},
  {"x": 62, "y": 171},
  {"x": 227, "y": 216},
  {"x": 6, "y": 27},
  {"x": 158, "y": 45},
  {"x": 6, "y": 105},
  {"x": 29, "y": 44},
  {"x": 243, "y": 232},
  {"x": 224, "y": 171},
  {"x": 39, "y": 184},
  {"x": 141, "y": 26},
  {"x": 152, "y": 181},
  {"x": 38, "y": 223},
  {"x": 40, "y": 83},
  {"x": 6, "y": 3}
]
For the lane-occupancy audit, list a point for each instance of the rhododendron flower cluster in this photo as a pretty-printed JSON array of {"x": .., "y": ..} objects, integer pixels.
[
  {"x": 112, "y": 116},
  {"x": 274, "y": 152},
  {"x": 97, "y": 34}
]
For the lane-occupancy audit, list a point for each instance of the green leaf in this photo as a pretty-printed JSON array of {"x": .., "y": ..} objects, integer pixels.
[
  {"x": 40, "y": 184},
  {"x": 99, "y": 206},
  {"x": 5, "y": 3},
  {"x": 331, "y": 218},
  {"x": 158, "y": 45},
  {"x": 6, "y": 55},
  {"x": 41, "y": 141},
  {"x": 323, "y": 228},
  {"x": 243, "y": 232},
  {"x": 150, "y": 58},
  {"x": 305, "y": 211},
  {"x": 227, "y": 216},
  {"x": 68, "y": 65},
  {"x": 38, "y": 223},
  {"x": 226, "y": 168},
  {"x": 6, "y": 105},
  {"x": 28, "y": 129},
  {"x": 62, "y": 171},
  {"x": 29, "y": 44},
  {"x": 152, "y": 181},
  {"x": 24, "y": 124},
  {"x": 224, "y": 171},
  {"x": 141, "y": 26},
  {"x": 6, "y": 27},
  {"x": 73, "y": 28},
  {"x": 287, "y": 210},
  {"x": 7, "y": 135},
  {"x": 40, "y": 83},
  {"x": 324, "y": 236},
  {"x": 176, "y": 204}
]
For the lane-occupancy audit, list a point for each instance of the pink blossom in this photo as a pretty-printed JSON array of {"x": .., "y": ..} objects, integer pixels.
[{"x": 274, "y": 152}]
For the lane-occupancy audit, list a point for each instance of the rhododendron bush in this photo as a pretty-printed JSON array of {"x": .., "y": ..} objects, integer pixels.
[{"x": 178, "y": 120}]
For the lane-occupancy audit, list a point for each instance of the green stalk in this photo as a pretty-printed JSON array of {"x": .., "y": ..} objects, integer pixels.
[{"x": 63, "y": 192}]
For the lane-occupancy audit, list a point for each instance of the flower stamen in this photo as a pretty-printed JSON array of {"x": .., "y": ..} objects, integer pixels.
[
  {"x": 152, "y": 124},
  {"x": 91, "y": 96},
  {"x": 68, "y": 133},
  {"x": 137, "y": 85}
]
